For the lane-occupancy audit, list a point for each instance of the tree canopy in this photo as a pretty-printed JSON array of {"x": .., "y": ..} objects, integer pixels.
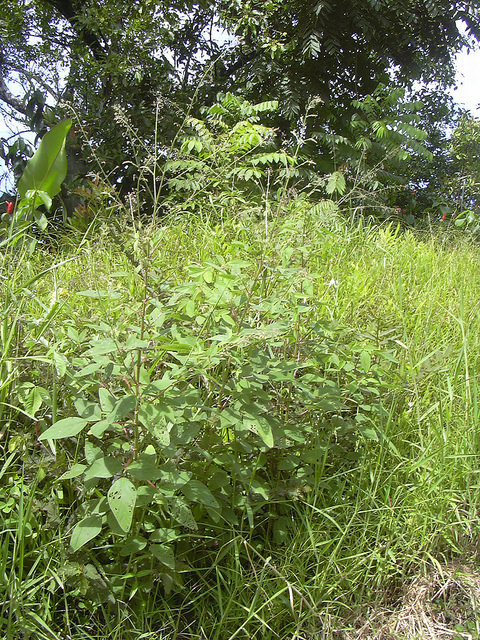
[{"x": 152, "y": 62}]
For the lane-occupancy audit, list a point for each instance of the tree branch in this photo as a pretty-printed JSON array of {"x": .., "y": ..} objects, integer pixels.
[
  {"x": 69, "y": 11},
  {"x": 31, "y": 75},
  {"x": 243, "y": 59},
  {"x": 8, "y": 97}
]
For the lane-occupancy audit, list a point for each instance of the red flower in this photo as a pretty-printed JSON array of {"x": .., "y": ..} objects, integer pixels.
[
  {"x": 10, "y": 207},
  {"x": 404, "y": 211},
  {"x": 444, "y": 217}
]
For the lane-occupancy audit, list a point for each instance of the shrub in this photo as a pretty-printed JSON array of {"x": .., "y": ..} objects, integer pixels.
[{"x": 207, "y": 407}]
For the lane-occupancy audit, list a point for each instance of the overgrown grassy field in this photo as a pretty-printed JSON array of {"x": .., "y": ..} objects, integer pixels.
[{"x": 357, "y": 347}]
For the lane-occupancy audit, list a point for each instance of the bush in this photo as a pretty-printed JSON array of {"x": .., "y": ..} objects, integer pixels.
[{"x": 206, "y": 408}]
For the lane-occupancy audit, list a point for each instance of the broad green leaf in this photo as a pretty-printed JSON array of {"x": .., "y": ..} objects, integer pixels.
[
  {"x": 181, "y": 433},
  {"x": 92, "y": 452},
  {"x": 262, "y": 428},
  {"x": 172, "y": 478},
  {"x": 100, "y": 427},
  {"x": 208, "y": 276},
  {"x": 124, "y": 406},
  {"x": 145, "y": 495},
  {"x": 47, "y": 169},
  {"x": 104, "y": 467},
  {"x": 75, "y": 471},
  {"x": 113, "y": 525},
  {"x": 93, "y": 367},
  {"x": 314, "y": 456},
  {"x": 183, "y": 515},
  {"x": 88, "y": 410},
  {"x": 144, "y": 468},
  {"x": 150, "y": 415},
  {"x": 196, "y": 491},
  {"x": 307, "y": 286},
  {"x": 41, "y": 220},
  {"x": 85, "y": 530},
  {"x": 135, "y": 343},
  {"x": 47, "y": 202},
  {"x": 151, "y": 418},
  {"x": 157, "y": 386},
  {"x": 190, "y": 308},
  {"x": 121, "y": 498},
  {"x": 164, "y": 554},
  {"x": 97, "y": 506},
  {"x": 99, "y": 295},
  {"x": 261, "y": 487},
  {"x": 101, "y": 347},
  {"x": 365, "y": 361},
  {"x": 150, "y": 452},
  {"x": 65, "y": 428},
  {"x": 370, "y": 434},
  {"x": 164, "y": 535},
  {"x": 133, "y": 545},
  {"x": 34, "y": 400},
  {"x": 60, "y": 362},
  {"x": 107, "y": 400}
]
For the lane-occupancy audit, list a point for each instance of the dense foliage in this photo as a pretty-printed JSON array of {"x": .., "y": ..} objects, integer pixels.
[
  {"x": 198, "y": 419},
  {"x": 229, "y": 405},
  {"x": 464, "y": 149},
  {"x": 153, "y": 63}
]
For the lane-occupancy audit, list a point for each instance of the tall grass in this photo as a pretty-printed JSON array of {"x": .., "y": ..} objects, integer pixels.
[{"x": 405, "y": 496}]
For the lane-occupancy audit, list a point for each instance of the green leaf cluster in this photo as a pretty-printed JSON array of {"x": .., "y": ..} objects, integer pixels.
[
  {"x": 210, "y": 405},
  {"x": 228, "y": 154}
]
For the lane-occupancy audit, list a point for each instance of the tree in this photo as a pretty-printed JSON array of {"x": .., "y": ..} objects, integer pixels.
[
  {"x": 94, "y": 60},
  {"x": 130, "y": 72},
  {"x": 463, "y": 184},
  {"x": 340, "y": 49}
]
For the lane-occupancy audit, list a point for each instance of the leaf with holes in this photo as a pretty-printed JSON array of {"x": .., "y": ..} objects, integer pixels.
[
  {"x": 182, "y": 514},
  {"x": 121, "y": 498}
]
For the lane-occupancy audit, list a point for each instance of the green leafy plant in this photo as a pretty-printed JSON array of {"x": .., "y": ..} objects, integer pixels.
[
  {"x": 366, "y": 161},
  {"x": 211, "y": 413},
  {"x": 468, "y": 220},
  {"x": 43, "y": 176},
  {"x": 334, "y": 330},
  {"x": 227, "y": 155}
]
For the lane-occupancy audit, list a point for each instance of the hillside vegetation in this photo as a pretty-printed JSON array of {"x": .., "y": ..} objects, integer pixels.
[
  {"x": 239, "y": 338},
  {"x": 262, "y": 428}
]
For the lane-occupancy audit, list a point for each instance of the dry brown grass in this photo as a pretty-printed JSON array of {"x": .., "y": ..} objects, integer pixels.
[{"x": 442, "y": 605}]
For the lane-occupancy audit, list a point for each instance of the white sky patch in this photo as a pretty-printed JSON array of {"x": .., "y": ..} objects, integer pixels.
[{"x": 468, "y": 79}]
